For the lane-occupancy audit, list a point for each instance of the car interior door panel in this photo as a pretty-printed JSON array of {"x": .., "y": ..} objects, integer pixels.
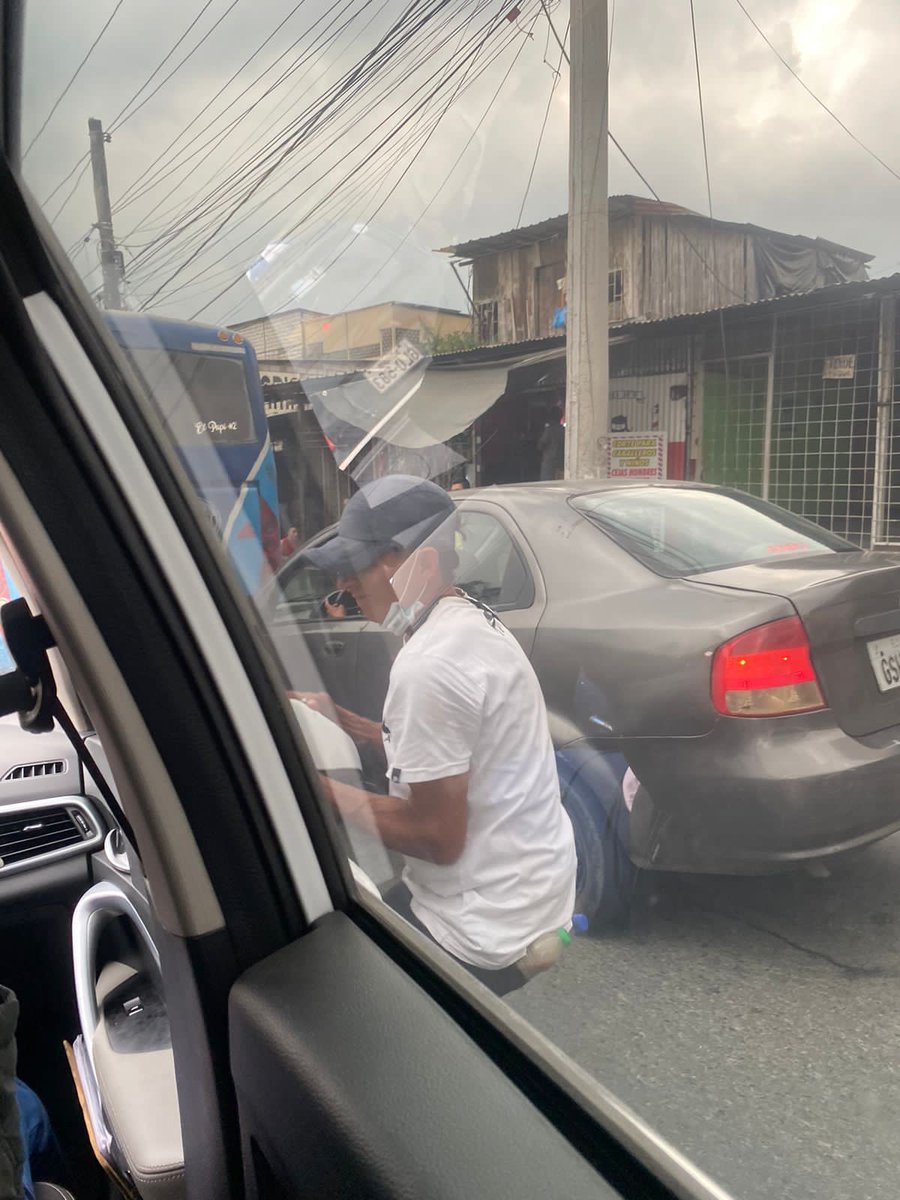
[
  {"x": 124, "y": 1054},
  {"x": 380, "y": 1095}
]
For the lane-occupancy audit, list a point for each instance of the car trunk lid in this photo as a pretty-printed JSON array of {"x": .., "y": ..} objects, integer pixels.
[{"x": 850, "y": 606}]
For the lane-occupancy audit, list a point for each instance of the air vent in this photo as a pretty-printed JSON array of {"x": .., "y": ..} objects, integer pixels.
[
  {"x": 28, "y": 833},
  {"x": 36, "y": 770}
]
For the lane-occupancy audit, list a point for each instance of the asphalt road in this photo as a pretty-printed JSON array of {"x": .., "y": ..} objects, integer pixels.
[{"x": 755, "y": 1023}]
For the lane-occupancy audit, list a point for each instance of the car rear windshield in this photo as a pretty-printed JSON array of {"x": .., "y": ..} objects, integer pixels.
[{"x": 685, "y": 531}]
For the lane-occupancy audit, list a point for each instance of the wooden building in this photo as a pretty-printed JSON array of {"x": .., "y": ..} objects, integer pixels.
[{"x": 665, "y": 260}]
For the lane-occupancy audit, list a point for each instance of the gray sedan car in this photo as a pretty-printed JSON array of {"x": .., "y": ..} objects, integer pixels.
[{"x": 744, "y": 664}]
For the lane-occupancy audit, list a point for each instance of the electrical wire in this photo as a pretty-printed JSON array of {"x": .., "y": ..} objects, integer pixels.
[
  {"x": 441, "y": 186},
  {"x": 368, "y": 184},
  {"x": 361, "y": 225},
  {"x": 351, "y": 79},
  {"x": 702, "y": 112},
  {"x": 821, "y": 103},
  {"x": 382, "y": 170},
  {"x": 212, "y": 29},
  {"x": 135, "y": 184},
  {"x": 712, "y": 224},
  {"x": 242, "y": 172},
  {"x": 116, "y": 122},
  {"x": 412, "y": 162},
  {"x": 559, "y": 41},
  {"x": 355, "y": 170},
  {"x": 62, "y": 95},
  {"x": 641, "y": 176},
  {"x": 223, "y": 134},
  {"x": 81, "y": 174},
  {"x": 540, "y": 141},
  {"x": 208, "y": 268}
]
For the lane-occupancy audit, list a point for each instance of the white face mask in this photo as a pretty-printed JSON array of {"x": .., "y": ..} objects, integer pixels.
[{"x": 400, "y": 616}]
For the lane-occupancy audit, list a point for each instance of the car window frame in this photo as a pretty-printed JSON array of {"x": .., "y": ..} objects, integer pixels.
[
  {"x": 503, "y": 606},
  {"x": 285, "y": 611},
  {"x": 520, "y": 544}
]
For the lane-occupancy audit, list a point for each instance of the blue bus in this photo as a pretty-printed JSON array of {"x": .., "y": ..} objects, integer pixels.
[{"x": 205, "y": 384}]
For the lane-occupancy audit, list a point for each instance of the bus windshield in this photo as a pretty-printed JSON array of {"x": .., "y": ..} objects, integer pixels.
[{"x": 202, "y": 398}]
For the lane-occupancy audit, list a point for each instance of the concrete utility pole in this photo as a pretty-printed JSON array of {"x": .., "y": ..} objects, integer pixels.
[
  {"x": 110, "y": 258},
  {"x": 587, "y": 316}
]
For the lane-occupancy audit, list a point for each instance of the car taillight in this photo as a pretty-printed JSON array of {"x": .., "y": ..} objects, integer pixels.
[{"x": 766, "y": 672}]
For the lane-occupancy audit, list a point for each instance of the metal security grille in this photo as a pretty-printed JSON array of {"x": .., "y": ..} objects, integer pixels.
[
  {"x": 823, "y": 427},
  {"x": 886, "y": 526},
  {"x": 791, "y": 413},
  {"x": 734, "y": 422}
]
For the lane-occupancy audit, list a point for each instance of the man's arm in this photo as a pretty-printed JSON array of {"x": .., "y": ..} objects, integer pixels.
[
  {"x": 431, "y": 825},
  {"x": 361, "y": 729}
]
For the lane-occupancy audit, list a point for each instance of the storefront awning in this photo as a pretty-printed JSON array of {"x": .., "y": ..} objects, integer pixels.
[
  {"x": 421, "y": 410},
  {"x": 447, "y": 401}
]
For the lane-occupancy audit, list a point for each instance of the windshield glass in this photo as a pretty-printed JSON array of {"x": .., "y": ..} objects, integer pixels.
[
  {"x": 677, "y": 531},
  {"x": 485, "y": 332}
]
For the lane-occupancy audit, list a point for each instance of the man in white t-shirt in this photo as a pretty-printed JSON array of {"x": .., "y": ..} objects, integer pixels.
[{"x": 474, "y": 804}]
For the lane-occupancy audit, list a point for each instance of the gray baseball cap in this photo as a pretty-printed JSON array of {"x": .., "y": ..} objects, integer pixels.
[{"x": 398, "y": 512}]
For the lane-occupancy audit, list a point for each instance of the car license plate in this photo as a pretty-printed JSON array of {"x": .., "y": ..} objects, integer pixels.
[{"x": 884, "y": 654}]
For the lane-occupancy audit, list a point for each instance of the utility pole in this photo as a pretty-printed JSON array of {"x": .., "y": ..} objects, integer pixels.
[
  {"x": 587, "y": 305},
  {"x": 110, "y": 258}
]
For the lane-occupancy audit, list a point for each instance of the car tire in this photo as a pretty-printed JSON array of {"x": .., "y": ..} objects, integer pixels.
[{"x": 605, "y": 879}]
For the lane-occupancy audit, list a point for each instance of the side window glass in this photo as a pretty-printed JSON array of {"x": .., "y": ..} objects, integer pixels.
[
  {"x": 309, "y": 594},
  {"x": 491, "y": 567}
]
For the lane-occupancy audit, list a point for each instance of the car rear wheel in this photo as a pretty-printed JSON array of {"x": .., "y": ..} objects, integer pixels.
[{"x": 605, "y": 878}]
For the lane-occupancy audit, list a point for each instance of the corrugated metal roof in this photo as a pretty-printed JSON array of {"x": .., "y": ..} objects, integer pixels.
[
  {"x": 853, "y": 290},
  {"x": 502, "y": 350},
  {"x": 525, "y": 235},
  {"x": 620, "y": 206}
]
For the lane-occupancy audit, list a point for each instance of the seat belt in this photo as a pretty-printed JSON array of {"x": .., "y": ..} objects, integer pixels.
[
  {"x": 30, "y": 691},
  {"x": 90, "y": 765}
]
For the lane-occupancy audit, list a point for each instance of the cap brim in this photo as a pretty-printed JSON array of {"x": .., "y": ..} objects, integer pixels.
[{"x": 344, "y": 556}]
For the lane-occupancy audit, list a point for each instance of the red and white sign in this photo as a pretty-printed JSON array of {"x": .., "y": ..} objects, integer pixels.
[{"x": 637, "y": 455}]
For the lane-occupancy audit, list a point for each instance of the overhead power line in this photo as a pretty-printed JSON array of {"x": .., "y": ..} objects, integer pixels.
[
  {"x": 368, "y": 186},
  {"x": 62, "y": 95},
  {"x": 120, "y": 204},
  {"x": 712, "y": 224},
  {"x": 355, "y": 170},
  {"x": 286, "y": 151},
  {"x": 222, "y": 135},
  {"x": 540, "y": 141},
  {"x": 493, "y": 100},
  {"x": 398, "y": 155},
  {"x": 242, "y": 174},
  {"x": 120, "y": 119},
  {"x": 702, "y": 114},
  {"x": 821, "y": 103},
  {"x": 371, "y": 102},
  {"x": 146, "y": 100},
  {"x": 352, "y": 81}
]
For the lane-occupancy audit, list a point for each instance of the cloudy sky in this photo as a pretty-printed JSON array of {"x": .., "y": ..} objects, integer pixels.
[{"x": 331, "y": 228}]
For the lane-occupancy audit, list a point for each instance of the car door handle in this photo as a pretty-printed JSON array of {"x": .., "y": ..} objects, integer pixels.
[{"x": 335, "y": 649}]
